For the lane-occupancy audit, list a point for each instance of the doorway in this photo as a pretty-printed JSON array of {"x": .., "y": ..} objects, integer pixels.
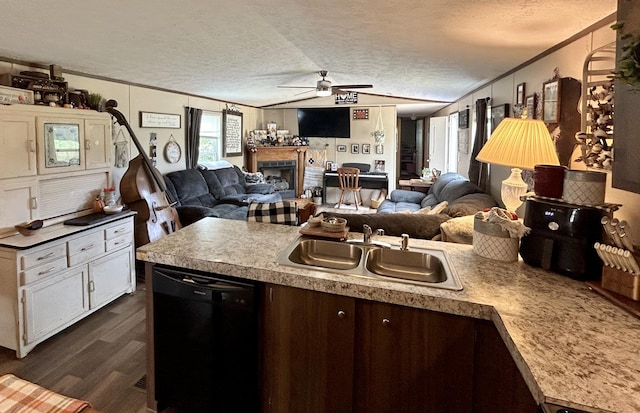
[{"x": 411, "y": 151}]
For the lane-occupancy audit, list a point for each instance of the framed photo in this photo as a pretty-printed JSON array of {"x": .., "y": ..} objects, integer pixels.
[
  {"x": 232, "y": 133},
  {"x": 520, "y": 94},
  {"x": 366, "y": 148},
  {"x": 160, "y": 120},
  {"x": 378, "y": 165},
  {"x": 550, "y": 101},
  {"x": 379, "y": 149},
  {"x": 341, "y": 148},
  {"x": 355, "y": 148},
  {"x": 531, "y": 103},
  {"x": 463, "y": 119},
  {"x": 463, "y": 141},
  {"x": 497, "y": 114},
  {"x": 272, "y": 129}
]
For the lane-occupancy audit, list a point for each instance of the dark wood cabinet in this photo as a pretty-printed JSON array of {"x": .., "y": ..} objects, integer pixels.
[
  {"x": 410, "y": 360},
  {"x": 328, "y": 353},
  {"x": 307, "y": 351},
  {"x": 498, "y": 385},
  {"x": 626, "y": 120}
]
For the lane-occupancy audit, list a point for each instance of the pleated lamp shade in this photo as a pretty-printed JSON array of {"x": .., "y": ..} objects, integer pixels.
[{"x": 520, "y": 143}]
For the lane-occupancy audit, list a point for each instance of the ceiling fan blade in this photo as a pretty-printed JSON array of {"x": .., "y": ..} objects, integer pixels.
[
  {"x": 298, "y": 87},
  {"x": 352, "y": 86},
  {"x": 306, "y": 91}
]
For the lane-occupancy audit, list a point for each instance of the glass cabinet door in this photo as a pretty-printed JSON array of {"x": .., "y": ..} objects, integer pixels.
[{"x": 59, "y": 145}]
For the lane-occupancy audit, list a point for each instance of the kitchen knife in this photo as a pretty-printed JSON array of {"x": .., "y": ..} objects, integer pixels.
[
  {"x": 596, "y": 246},
  {"x": 613, "y": 259},
  {"x": 605, "y": 256},
  {"x": 613, "y": 223},
  {"x": 626, "y": 265},
  {"x": 632, "y": 262},
  {"x": 606, "y": 226},
  {"x": 625, "y": 235}
]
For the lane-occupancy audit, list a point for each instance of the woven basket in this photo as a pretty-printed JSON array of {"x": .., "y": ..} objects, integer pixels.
[{"x": 492, "y": 242}]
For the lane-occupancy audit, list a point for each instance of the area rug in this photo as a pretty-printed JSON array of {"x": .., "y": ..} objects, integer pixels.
[
  {"x": 21, "y": 396},
  {"x": 345, "y": 209}
]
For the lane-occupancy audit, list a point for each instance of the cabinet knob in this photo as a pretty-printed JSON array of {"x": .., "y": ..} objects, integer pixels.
[
  {"x": 386, "y": 321},
  {"x": 341, "y": 314}
]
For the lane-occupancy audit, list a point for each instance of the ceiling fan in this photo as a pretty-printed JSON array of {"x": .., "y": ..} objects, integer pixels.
[{"x": 324, "y": 88}]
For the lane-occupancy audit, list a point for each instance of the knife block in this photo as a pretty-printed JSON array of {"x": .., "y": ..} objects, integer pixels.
[{"x": 622, "y": 282}]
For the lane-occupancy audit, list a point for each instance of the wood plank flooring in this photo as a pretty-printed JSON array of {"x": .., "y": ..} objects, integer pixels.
[{"x": 99, "y": 359}]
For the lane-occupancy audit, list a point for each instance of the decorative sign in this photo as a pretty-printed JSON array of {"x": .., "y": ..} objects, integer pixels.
[
  {"x": 360, "y": 114},
  {"x": 232, "y": 133},
  {"x": 159, "y": 120},
  {"x": 346, "y": 98},
  {"x": 463, "y": 119}
]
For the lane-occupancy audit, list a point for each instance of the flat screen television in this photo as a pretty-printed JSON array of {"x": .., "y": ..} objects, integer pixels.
[{"x": 324, "y": 122}]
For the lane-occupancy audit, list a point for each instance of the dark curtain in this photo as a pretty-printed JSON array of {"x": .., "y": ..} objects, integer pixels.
[
  {"x": 477, "y": 170},
  {"x": 194, "y": 116}
]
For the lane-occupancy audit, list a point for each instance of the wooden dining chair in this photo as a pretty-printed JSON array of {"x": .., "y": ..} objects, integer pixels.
[{"x": 348, "y": 179}]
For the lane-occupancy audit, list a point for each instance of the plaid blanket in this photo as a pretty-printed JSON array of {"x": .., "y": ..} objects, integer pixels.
[{"x": 20, "y": 396}]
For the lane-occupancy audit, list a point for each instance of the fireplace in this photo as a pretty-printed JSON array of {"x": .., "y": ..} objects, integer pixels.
[
  {"x": 282, "y": 174},
  {"x": 284, "y": 161}
]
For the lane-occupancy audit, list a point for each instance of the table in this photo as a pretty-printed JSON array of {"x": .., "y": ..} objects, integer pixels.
[
  {"x": 369, "y": 180},
  {"x": 415, "y": 184}
]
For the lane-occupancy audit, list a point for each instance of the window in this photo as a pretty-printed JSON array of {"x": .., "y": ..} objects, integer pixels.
[{"x": 210, "y": 139}]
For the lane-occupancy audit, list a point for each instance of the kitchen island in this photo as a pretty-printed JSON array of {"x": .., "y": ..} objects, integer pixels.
[{"x": 571, "y": 346}]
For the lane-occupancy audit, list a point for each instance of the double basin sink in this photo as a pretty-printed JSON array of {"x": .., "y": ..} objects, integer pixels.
[{"x": 425, "y": 267}]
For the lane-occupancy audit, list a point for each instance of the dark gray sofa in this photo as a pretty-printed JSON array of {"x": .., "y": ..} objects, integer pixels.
[
  {"x": 220, "y": 193},
  {"x": 396, "y": 215}
]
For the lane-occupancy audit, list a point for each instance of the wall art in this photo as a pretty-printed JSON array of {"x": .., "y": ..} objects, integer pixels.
[
  {"x": 232, "y": 133},
  {"x": 160, "y": 120}
]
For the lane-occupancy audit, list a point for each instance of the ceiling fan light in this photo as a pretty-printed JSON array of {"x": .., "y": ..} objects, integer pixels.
[{"x": 323, "y": 92}]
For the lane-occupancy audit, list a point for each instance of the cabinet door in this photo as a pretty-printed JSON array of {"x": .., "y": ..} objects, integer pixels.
[
  {"x": 51, "y": 304},
  {"x": 18, "y": 202},
  {"x": 60, "y": 144},
  {"x": 307, "y": 351},
  {"x": 97, "y": 133},
  {"x": 498, "y": 385},
  {"x": 110, "y": 277},
  {"x": 17, "y": 146},
  {"x": 410, "y": 360}
]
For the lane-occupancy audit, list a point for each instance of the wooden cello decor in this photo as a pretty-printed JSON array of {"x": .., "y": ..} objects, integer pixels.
[{"x": 142, "y": 189}]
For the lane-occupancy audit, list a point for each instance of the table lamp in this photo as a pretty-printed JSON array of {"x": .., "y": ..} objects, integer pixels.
[{"x": 520, "y": 143}]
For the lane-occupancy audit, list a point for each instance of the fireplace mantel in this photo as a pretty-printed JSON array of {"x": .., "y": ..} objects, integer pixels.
[{"x": 280, "y": 153}]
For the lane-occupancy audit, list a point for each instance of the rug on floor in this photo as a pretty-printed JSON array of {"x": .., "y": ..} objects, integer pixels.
[{"x": 21, "y": 396}]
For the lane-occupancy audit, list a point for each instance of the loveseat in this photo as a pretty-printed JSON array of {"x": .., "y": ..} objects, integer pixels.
[
  {"x": 421, "y": 215},
  {"x": 220, "y": 193}
]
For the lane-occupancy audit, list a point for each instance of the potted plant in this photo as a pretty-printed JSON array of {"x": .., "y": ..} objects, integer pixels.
[{"x": 95, "y": 101}]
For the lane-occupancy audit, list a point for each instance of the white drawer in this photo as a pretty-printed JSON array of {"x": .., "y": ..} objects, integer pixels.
[
  {"x": 35, "y": 258},
  {"x": 118, "y": 231},
  {"x": 85, "y": 248},
  {"x": 46, "y": 270},
  {"x": 117, "y": 243}
]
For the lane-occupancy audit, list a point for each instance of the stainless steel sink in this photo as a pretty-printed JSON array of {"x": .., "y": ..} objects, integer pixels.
[
  {"x": 407, "y": 265},
  {"x": 425, "y": 267},
  {"x": 326, "y": 254}
]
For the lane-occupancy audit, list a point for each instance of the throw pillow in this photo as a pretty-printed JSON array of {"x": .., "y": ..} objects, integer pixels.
[
  {"x": 438, "y": 208},
  {"x": 253, "y": 177},
  {"x": 425, "y": 210},
  {"x": 283, "y": 212}
]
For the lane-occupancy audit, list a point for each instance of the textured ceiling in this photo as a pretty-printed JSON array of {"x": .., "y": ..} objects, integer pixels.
[{"x": 240, "y": 51}]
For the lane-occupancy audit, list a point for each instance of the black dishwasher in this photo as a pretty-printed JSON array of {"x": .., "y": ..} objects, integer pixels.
[{"x": 206, "y": 342}]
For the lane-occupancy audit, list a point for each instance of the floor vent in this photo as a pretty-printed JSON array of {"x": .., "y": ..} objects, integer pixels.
[{"x": 142, "y": 383}]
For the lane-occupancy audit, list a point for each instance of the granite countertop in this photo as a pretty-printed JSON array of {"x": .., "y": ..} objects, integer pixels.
[{"x": 572, "y": 346}]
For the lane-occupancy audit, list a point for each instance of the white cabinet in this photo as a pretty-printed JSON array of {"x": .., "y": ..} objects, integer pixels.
[
  {"x": 97, "y": 135},
  {"x": 47, "y": 287},
  {"x": 18, "y": 145},
  {"x": 18, "y": 202}
]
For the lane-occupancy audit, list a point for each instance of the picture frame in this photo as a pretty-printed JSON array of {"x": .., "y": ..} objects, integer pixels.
[
  {"x": 355, "y": 148},
  {"x": 379, "y": 149},
  {"x": 379, "y": 165},
  {"x": 160, "y": 120},
  {"x": 531, "y": 102},
  {"x": 463, "y": 119},
  {"x": 366, "y": 148},
  {"x": 232, "y": 133},
  {"x": 463, "y": 141},
  {"x": 550, "y": 101},
  {"x": 520, "y": 94},
  {"x": 341, "y": 148},
  {"x": 498, "y": 113}
]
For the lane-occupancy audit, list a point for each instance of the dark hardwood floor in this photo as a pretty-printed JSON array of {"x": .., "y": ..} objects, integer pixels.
[{"x": 99, "y": 359}]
